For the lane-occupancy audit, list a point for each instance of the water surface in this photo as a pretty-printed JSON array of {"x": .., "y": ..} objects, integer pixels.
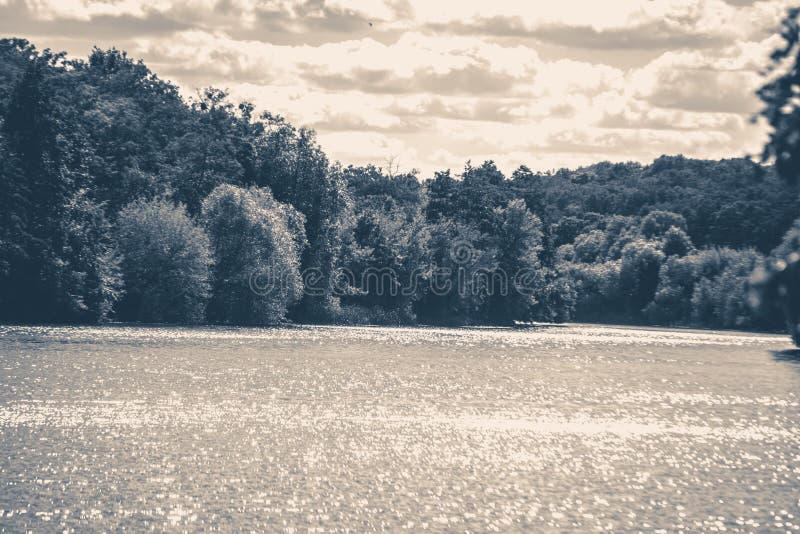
[{"x": 563, "y": 428}]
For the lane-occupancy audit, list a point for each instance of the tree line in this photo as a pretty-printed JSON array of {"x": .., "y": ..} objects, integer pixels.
[{"x": 121, "y": 200}]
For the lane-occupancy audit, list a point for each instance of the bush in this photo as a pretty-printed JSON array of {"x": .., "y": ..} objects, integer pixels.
[{"x": 166, "y": 263}]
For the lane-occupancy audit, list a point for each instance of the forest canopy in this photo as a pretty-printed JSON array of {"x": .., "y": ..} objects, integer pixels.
[{"x": 122, "y": 200}]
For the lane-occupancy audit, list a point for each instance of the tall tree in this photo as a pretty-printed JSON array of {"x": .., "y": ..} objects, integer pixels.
[
  {"x": 782, "y": 111},
  {"x": 781, "y": 107},
  {"x": 38, "y": 183},
  {"x": 91, "y": 276},
  {"x": 514, "y": 282},
  {"x": 294, "y": 167},
  {"x": 257, "y": 243}
]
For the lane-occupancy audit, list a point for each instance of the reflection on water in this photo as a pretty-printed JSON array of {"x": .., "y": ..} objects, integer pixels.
[{"x": 575, "y": 428}]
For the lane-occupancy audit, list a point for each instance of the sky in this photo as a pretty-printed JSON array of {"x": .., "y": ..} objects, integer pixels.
[{"x": 430, "y": 84}]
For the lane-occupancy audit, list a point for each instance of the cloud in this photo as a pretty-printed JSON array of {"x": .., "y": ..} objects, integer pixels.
[
  {"x": 364, "y": 147},
  {"x": 614, "y": 24},
  {"x": 92, "y": 21},
  {"x": 723, "y": 80},
  {"x": 639, "y": 115},
  {"x": 338, "y": 121},
  {"x": 473, "y": 79},
  {"x": 438, "y": 83},
  {"x": 651, "y": 35},
  {"x": 655, "y": 34}
]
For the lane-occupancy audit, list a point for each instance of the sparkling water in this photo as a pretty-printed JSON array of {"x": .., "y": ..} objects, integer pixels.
[{"x": 549, "y": 429}]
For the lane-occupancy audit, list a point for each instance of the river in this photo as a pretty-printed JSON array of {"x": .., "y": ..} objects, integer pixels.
[{"x": 576, "y": 427}]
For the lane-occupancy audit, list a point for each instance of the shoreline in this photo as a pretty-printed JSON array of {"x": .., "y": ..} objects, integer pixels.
[{"x": 518, "y": 327}]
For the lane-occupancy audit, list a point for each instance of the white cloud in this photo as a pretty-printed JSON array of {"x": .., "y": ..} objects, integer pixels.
[{"x": 437, "y": 83}]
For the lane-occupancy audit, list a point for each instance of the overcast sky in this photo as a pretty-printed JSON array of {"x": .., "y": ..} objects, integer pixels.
[{"x": 434, "y": 83}]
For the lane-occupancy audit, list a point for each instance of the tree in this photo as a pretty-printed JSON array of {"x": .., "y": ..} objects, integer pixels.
[
  {"x": 722, "y": 301},
  {"x": 708, "y": 288},
  {"x": 676, "y": 242},
  {"x": 384, "y": 247},
  {"x": 782, "y": 111},
  {"x": 441, "y": 192},
  {"x": 257, "y": 243},
  {"x": 92, "y": 278},
  {"x": 781, "y": 107},
  {"x": 211, "y": 151},
  {"x": 379, "y": 258},
  {"x": 166, "y": 263},
  {"x": 455, "y": 255},
  {"x": 591, "y": 247},
  {"x": 81, "y": 139},
  {"x": 291, "y": 163},
  {"x": 657, "y": 223},
  {"x": 483, "y": 189},
  {"x": 672, "y": 302},
  {"x": 127, "y": 119},
  {"x": 776, "y": 284},
  {"x": 641, "y": 262},
  {"x": 37, "y": 182},
  {"x": 517, "y": 278}
]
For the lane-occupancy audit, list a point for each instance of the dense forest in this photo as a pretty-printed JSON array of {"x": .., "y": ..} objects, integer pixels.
[{"x": 121, "y": 200}]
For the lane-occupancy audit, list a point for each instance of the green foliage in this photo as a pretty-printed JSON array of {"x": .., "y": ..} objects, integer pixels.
[
  {"x": 517, "y": 239},
  {"x": 92, "y": 278},
  {"x": 707, "y": 288},
  {"x": 257, "y": 243},
  {"x": 676, "y": 243},
  {"x": 385, "y": 240},
  {"x": 657, "y": 223},
  {"x": 776, "y": 284},
  {"x": 779, "y": 95},
  {"x": 291, "y": 163},
  {"x": 638, "y": 275},
  {"x": 166, "y": 263},
  {"x": 84, "y": 142}
]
